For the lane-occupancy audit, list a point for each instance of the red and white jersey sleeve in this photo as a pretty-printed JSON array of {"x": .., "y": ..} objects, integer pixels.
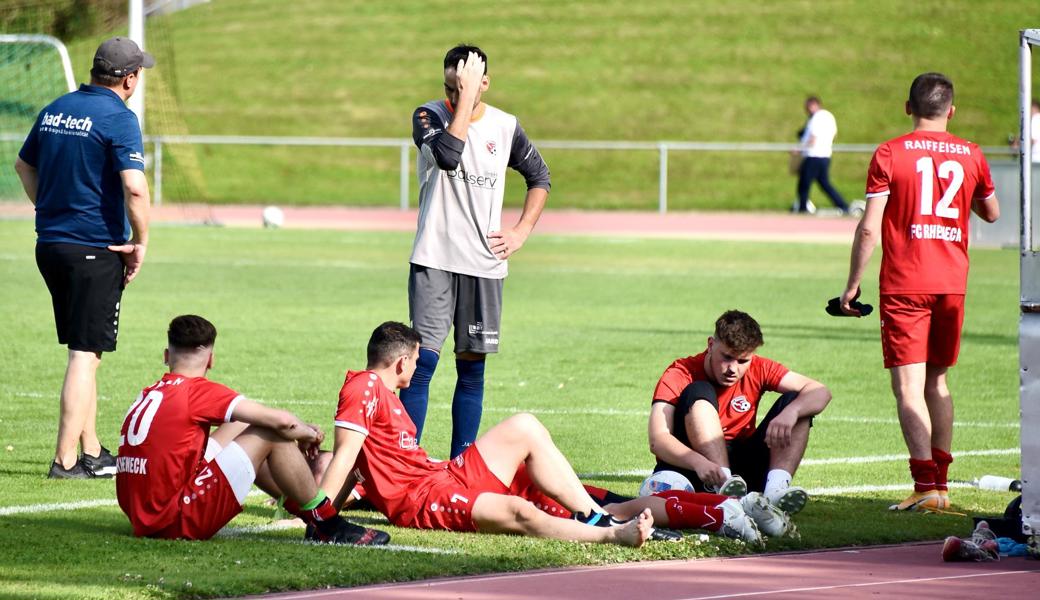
[
  {"x": 161, "y": 443},
  {"x": 930, "y": 179},
  {"x": 677, "y": 376},
  {"x": 391, "y": 463}
]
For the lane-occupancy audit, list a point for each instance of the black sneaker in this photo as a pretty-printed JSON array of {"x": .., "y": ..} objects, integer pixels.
[
  {"x": 76, "y": 472},
  {"x": 659, "y": 534},
  {"x": 103, "y": 465},
  {"x": 348, "y": 533}
]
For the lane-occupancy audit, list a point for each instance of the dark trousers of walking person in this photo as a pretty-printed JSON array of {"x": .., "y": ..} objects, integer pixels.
[{"x": 817, "y": 169}]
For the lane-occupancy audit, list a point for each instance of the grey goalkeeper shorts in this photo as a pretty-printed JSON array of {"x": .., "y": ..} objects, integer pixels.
[{"x": 437, "y": 300}]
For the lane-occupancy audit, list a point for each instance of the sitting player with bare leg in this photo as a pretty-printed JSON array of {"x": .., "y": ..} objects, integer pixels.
[
  {"x": 174, "y": 481},
  {"x": 477, "y": 490},
  {"x": 702, "y": 419},
  {"x": 513, "y": 480}
]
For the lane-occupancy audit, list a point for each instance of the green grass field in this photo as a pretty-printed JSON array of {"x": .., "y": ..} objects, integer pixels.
[
  {"x": 590, "y": 323},
  {"x": 608, "y": 70}
]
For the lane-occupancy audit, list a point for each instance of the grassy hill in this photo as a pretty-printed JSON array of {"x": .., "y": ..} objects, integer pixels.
[{"x": 608, "y": 70}]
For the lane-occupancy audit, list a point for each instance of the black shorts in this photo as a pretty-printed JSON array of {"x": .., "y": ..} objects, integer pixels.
[
  {"x": 439, "y": 300},
  {"x": 748, "y": 457},
  {"x": 86, "y": 285}
]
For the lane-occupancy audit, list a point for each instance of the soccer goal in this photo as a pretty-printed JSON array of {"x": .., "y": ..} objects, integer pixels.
[
  {"x": 1029, "y": 323},
  {"x": 34, "y": 70}
]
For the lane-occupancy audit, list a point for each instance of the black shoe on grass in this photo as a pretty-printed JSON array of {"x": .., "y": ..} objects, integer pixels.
[
  {"x": 659, "y": 534},
  {"x": 76, "y": 472},
  {"x": 348, "y": 533},
  {"x": 102, "y": 466}
]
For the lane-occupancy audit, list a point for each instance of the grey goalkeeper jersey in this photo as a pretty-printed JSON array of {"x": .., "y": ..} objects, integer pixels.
[{"x": 462, "y": 185}]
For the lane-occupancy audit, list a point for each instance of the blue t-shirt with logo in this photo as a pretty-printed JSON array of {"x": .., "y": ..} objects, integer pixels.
[{"x": 78, "y": 145}]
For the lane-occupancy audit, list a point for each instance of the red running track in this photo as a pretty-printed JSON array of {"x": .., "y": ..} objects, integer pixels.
[
  {"x": 913, "y": 571},
  {"x": 696, "y": 225}
]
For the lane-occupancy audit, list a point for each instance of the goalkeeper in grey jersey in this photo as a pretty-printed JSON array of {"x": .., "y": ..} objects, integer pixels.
[{"x": 458, "y": 261}]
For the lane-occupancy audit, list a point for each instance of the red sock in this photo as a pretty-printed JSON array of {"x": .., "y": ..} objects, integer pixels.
[
  {"x": 704, "y": 498},
  {"x": 942, "y": 460},
  {"x": 597, "y": 493},
  {"x": 924, "y": 473},
  {"x": 323, "y": 516},
  {"x": 691, "y": 515}
]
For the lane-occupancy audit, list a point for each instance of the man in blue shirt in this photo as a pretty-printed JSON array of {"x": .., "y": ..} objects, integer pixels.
[{"x": 82, "y": 167}]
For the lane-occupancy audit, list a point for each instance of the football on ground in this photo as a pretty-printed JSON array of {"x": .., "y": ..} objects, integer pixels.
[{"x": 663, "y": 481}]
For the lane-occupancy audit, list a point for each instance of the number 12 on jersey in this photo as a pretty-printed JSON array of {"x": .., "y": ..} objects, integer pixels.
[{"x": 951, "y": 170}]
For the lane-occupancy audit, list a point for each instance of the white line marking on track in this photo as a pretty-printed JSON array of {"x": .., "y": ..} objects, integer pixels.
[{"x": 855, "y": 585}]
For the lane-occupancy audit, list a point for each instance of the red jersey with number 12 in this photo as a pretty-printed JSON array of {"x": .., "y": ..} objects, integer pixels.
[
  {"x": 931, "y": 179},
  {"x": 161, "y": 443}
]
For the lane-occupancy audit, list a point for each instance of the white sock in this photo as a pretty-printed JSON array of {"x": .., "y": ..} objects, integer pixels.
[
  {"x": 727, "y": 472},
  {"x": 777, "y": 480}
]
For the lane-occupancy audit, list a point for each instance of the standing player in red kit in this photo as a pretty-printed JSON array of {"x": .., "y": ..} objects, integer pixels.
[
  {"x": 920, "y": 189},
  {"x": 176, "y": 481}
]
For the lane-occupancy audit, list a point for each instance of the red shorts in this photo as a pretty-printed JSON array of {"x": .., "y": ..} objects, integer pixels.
[
  {"x": 209, "y": 501},
  {"x": 448, "y": 502},
  {"x": 921, "y": 328}
]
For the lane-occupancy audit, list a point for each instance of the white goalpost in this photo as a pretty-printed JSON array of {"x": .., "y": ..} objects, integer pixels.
[
  {"x": 34, "y": 70},
  {"x": 47, "y": 41},
  {"x": 1029, "y": 323},
  {"x": 135, "y": 20}
]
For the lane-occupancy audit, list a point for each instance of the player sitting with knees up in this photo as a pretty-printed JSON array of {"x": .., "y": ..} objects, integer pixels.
[
  {"x": 702, "y": 419},
  {"x": 175, "y": 481},
  {"x": 494, "y": 486}
]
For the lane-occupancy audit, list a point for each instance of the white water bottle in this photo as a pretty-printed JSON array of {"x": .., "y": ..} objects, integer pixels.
[{"x": 999, "y": 484}]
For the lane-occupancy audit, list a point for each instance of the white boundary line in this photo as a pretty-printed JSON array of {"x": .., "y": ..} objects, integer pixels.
[
  {"x": 897, "y": 457},
  {"x": 856, "y": 585},
  {"x": 604, "y": 412},
  {"x": 862, "y": 489},
  {"x": 246, "y": 529},
  {"x": 39, "y": 508},
  {"x": 828, "y": 461},
  {"x": 226, "y": 532}
]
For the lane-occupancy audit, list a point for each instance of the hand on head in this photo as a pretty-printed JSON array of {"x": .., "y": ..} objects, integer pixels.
[{"x": 470, "y": 75}]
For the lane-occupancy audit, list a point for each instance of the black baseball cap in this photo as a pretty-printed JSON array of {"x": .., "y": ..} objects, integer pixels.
[{"x": 120, "y": 56}]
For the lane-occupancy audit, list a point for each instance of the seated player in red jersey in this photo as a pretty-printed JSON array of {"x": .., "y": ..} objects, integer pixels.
[
  {"x": 703, "y": 414},
  {"x": 175, "y": 481},
  {"x": 512, "y": 480},
  {"x": 921, "y": 190}
]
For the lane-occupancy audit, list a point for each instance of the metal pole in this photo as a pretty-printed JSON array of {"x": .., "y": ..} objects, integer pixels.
[
  {"x": 1025, "y": 88},
  {"x": 405, "y": 168},
  {"x": 662, "y": 179},
  {"x": 157, "y": 172},
  {"x": 136, "y": 18}
]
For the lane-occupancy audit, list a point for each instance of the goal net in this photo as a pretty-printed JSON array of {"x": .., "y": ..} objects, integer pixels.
[{"x": 34, "y": 70}]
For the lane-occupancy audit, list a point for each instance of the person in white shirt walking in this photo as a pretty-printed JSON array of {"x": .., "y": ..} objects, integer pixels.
[{"x": 816, "y": 143}]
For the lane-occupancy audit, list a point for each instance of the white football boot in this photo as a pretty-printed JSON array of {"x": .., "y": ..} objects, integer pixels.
[
  {"x": 771, "y": 521},
  {"x": 791, "y": 500},
  {"x": 738, "y": 524}
]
